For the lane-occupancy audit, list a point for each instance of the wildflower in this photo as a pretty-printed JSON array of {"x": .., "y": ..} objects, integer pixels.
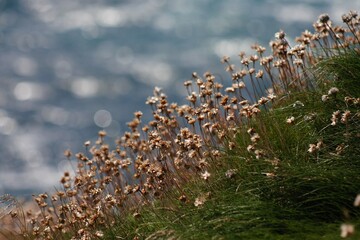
[
  {"x": 333, "y": 91},
  {"x": 232, "y": 145},
  {"x": 151, "y": 100},
  {"x": 102, "y": 133},
  {"x": 241, "y": 85},
  {"x": 346, "y": 18},
  {"x": 315, "y": 147},
  {"x": 312, "y": 148},
  {"x": 353, "y": 14},
  {"x": 357, "y": 201},
  {"x": 87, "y": 143},
  {"x": 259, "y": 74},
  {"x": 157, "y": 91},
  {"x": 324, "y": 18},
  {"x": 244, "y": 102},
  {"x": 128, "y": 189},
  {"x": 324, "y": 98},
  {"x": 255, "y": 138},
  {"x": 259, "y": 153},
  {"x": 230, "y": 173},
  {"x": 290, "y": 120},
  {"x": 340, "y": 148},
  {"x": 250, "y": 148},
  {"x": 279, "y": 63},
  {"x": 187, "y": 83},
  {"x": 138, "y": 114},
  {"x": 200, "y": 201},
  {"x": 230, "y": 89},
  {"x": 334, "y": 117},
  {"x": 205, "y": 175},
  {"x": 251, "y": 131},
  {"x": 254, "y": 58},
  {"x": 350, "y": 100},
  {"x": 67, "y": 153},
  {"x": 298, "y": 62},
  {"x": 258, "y": 48},
  {"x": 346, "y": 230},
  {"x": 271, "y": 96},
  {"x": 310, "y": 117},
  {"x": 230, "y": 68},
  {"x": 319, "y": 144},
  {"x": 225, "y": 59},
  {"x": 263, "y": 100},
  {"x": 280, "y": 35},
  {"x": 345, "y": 116},
  {"x": 99, "y": 234},
  {"x": 183, "y": 198}
]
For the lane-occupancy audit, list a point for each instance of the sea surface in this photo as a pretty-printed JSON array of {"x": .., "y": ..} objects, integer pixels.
[{"x": 69, "y": 68}]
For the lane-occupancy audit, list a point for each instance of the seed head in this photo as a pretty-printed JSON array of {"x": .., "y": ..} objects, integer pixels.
[
  {"x": 280, "y": 35},
  {"x": 205, "y": 175},
  {"x": 324, "y": 18},
  {"x": 87, "y": 143},
  {"x": 346, "y": 18},
  {"x": 259, "y": 74},
  {"x": 312, "y": 148},
  {"x": 99, "y": 234},
  {"x": 225, "y": 59},
  {"x": 290, "y": 120},
  {"x": 357, "y": 201},
  {"x": 67, "y": 153},
  {"x": 333, "y": 91},
  {"x": 200, "y": 201},
  {"x": 324, "y": 98},
  {"x": 346, "y": 230},
  {"x": 230, "y": 173}
]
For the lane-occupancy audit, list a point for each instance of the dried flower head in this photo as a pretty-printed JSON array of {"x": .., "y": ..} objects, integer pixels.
[
  {"x": 202, "y": 199},
  {"x": 345, "y": 116},
  {"x": 230, "y": 173},
  {"x": 199, "y": 201},
  {"x": 324, "y": 98},
  {"x": 324, "y": 18},
  {"x": 67, "y": 153},
  {"x": 357, "y": 201},
  {"x": 280, "y": 35},
  {"x": 333, "y": 91},
  {"x": 346, "y": 18},
  {"x": 334, "y": 117},
  {"x": 87, "y": 143},
  {"x": 312, "y": 148},
  {"x": 346, "y": 230},
  {"x": 290, "y": 120},
  {"x": 205, "y": 175},
  {"x": 99, "y": 234}
]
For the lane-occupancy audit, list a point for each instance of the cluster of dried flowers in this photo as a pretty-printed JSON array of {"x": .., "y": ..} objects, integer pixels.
[{"x": 182, "y": 142}]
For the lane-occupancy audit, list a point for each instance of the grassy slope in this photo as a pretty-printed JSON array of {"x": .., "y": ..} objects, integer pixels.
[{"x": 309, "y": 194}]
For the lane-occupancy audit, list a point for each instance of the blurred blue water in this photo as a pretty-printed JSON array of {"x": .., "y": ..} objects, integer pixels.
[{"x": 72, "y": 67}]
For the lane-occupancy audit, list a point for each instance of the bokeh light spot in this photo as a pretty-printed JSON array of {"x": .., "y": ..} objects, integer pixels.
[
  {"x": 29, "y": 91},
  {"x": 102, "y": 118},
  {"x": 85, "y": 87}
]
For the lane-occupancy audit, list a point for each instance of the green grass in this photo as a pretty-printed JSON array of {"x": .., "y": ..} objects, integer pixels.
[{"x": 309, "y": 195}]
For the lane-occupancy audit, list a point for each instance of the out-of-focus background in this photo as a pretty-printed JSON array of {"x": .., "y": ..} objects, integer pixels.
[{"x": 69, "y": 68}]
